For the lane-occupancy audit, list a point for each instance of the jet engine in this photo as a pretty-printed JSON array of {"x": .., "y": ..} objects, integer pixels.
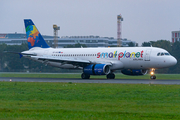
[
  {"x": 134, "y": 72},
  {"x": 97, "y": 69}
]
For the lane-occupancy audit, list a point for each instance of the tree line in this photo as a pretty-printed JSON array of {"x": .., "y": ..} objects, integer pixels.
[{"x": 13, "y": 62}]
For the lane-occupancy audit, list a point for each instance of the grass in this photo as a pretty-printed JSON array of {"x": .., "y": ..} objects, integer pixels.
[
  {"x": 45, "y": 101},
  {"x": 118, "y": 76}
]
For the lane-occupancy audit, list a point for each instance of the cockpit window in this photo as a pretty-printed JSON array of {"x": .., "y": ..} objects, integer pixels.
[
  {"x": 167, "y": 54},
  {"x": 162, "y": 54}
]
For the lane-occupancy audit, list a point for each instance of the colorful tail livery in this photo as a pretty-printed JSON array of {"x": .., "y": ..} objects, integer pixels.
[{"x": 34, "y": 37}]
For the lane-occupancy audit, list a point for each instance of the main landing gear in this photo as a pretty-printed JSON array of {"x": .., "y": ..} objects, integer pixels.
[
  {"x": 153, "y": 77},
  {"x": 110, "y": 76},
  {"x": 85, "y": 76}
]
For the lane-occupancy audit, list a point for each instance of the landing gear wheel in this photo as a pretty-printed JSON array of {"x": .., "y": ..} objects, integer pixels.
[
  {"x": 110, "y": 76},
  {"x": 85, "y": 76},
  {"x": 153, "y": 77}
]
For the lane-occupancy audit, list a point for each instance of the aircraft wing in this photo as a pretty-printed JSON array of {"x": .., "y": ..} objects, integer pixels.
[{"x": 76, "y": 62}]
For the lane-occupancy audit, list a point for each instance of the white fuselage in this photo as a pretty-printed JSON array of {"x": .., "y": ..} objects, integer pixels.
[{"x": 116, "y": 57}]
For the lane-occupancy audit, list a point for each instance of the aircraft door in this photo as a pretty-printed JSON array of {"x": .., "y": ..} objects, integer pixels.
[{"x": 147, "y": 55}]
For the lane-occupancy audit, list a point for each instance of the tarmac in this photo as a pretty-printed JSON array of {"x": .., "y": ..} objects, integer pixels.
[{"x": 76, "y": 80}]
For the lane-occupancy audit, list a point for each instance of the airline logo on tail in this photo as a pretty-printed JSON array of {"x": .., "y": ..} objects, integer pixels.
[{"x": 34, "y": 37}]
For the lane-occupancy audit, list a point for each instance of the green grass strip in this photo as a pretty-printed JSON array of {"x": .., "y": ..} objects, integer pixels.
[{"x": 77, "y": 101}]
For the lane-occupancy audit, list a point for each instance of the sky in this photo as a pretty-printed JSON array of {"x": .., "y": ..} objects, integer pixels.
[{"x": 144, "y": 20}]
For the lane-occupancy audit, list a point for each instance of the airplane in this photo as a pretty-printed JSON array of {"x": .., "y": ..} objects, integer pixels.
[{"x": 132, "y": 61}]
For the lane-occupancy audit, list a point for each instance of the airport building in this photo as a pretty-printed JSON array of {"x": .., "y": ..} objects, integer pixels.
[
  {"x": 89, "y": 41},
  {"x": 175, "y": 36}
]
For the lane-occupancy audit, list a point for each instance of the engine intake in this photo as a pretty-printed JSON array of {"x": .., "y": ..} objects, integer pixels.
[
  {"x": 134, "y": 72},
  {"x": 97, "y": 69}
]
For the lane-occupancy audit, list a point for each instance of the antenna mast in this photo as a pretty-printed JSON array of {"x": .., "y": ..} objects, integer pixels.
[
  {"x": 56, "y": 28},
  {"x": 119, "y": 19}
]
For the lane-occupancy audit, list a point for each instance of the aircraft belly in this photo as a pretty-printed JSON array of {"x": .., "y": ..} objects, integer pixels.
[{"x": 133, "y": 64}]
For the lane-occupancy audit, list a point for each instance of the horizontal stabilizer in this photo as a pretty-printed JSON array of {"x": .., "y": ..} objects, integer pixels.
[{"x": 20, "y": 55}]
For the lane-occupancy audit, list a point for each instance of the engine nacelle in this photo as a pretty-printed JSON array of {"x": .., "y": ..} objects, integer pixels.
[
  {"x": 97, "y": 69},
  {"x": 134, "y": 72}
]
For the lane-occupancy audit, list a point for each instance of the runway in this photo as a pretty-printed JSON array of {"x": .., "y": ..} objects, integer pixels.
[{"x": 67, "y": 80}]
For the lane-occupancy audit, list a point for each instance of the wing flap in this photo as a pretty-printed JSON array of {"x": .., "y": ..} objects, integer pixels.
[{"x": 73, "y": 61}]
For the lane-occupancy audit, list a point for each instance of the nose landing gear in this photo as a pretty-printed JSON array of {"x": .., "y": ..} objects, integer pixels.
[{"x": 153, "y": 77}]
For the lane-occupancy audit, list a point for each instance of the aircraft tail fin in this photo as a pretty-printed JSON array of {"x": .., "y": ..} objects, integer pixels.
[{"x": 34, "y": 37}]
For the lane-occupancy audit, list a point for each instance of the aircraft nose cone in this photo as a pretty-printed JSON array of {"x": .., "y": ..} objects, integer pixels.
[{"x": 173, "y": 61}]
